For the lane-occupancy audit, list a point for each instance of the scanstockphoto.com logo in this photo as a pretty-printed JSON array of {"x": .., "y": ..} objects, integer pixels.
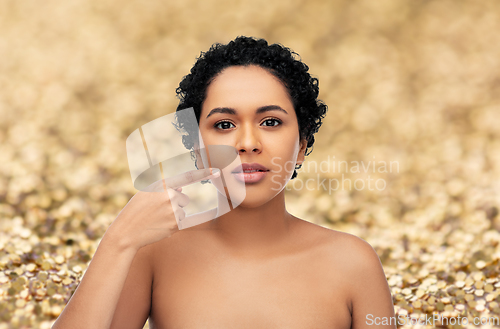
[
  {"x": 426, "y": 320},
  {"x": 371, "y": 171}
]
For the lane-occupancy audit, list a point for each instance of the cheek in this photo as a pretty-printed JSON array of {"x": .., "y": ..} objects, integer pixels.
[
  {"x": 284, "y": 157},
  {"x": 288, "y": 144}
]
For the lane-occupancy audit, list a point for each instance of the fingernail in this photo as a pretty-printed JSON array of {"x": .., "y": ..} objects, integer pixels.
[{"x": 215, "y": 171}]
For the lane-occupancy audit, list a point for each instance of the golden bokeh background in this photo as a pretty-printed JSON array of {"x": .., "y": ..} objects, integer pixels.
[{"x": 415, "y": 83}]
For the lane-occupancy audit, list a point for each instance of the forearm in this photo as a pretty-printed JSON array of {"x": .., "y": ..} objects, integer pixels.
[{"x": 94, "y": 302}]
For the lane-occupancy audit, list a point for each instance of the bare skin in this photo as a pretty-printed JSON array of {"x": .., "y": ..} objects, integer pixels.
[
  {"x": 319, "y": 278},
  {"x": 307, "y": 284},
  {"x": 147, "y": 218},
  {"x": 256, "y": 266}
]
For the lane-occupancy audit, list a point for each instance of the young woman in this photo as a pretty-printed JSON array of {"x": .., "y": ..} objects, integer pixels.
[{"x": 256, "y": 266}]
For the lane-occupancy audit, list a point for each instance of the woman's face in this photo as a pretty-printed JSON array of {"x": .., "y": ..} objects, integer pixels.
[{"x": 248, "y": 108}]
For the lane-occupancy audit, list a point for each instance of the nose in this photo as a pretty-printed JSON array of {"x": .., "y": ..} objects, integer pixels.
[{"x": 248, "y": 140}]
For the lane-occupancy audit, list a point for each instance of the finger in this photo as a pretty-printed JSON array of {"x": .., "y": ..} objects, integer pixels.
[
  {"x": 190, "y": 177},
  {"x": 183, "y": 200},
  {"x": 179, "y": 214},
  {"x": 178, "y": 198},
  {"x": 158, "y": 186}
]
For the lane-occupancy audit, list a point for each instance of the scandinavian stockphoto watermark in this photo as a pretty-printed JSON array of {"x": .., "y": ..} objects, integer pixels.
[
  {"x": 426, "y": 320},
  {"x": 332, "y": 166}
]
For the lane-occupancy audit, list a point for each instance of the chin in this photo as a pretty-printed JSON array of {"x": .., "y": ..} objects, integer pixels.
[
  {"x": 252, "y": 203},
  {"x": 254, "y": 200}
]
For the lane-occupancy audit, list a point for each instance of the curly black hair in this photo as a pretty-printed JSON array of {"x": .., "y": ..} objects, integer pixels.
[{"x": 278, "y": 60}]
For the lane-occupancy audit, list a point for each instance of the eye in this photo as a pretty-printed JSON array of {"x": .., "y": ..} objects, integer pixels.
[
  {"x": 272, "y": 120},
  {"x": 224, "y": 123}
]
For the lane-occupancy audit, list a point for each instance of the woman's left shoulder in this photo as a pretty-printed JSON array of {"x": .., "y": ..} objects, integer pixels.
[
  {"x": 341, "y": 247},
  {"x": 354, "y": 254},
  {"x": 345, "y": 248},
  {"x": 354, "y": 267}
]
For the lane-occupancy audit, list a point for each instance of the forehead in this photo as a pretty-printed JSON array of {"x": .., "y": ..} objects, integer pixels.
[{"x": 246, "y": 87}]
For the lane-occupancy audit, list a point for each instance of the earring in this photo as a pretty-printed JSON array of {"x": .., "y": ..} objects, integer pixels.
[{"x": 207, "y": 181}]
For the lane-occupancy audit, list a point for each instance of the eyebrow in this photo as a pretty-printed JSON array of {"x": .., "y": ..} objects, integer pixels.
[{"x": 261, "y": 109}]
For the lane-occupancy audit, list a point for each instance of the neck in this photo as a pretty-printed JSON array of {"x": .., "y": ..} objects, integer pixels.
[{"x": 258, "y": 230}]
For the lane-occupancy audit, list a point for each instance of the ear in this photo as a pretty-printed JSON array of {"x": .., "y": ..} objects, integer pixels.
[
  {"x": 199, "y": 161},
  {"x": 301, "y": 156}
]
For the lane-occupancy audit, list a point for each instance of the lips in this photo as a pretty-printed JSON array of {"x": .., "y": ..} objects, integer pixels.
[{"x": 249, "y": 167}]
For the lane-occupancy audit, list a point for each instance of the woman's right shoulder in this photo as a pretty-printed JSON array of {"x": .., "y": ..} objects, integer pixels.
[
  {"x": 162, "y": 247},
  {"x": 179, "y": 243}
]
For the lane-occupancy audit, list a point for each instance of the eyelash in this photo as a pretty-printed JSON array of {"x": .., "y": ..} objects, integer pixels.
[{"x": 275, "y": 119}]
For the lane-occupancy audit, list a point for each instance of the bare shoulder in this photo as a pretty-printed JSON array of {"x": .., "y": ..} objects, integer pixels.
[
  {"x": 345, "y": 249},
  {"x": 354, "y": 252},
  {"x": 358, "y": 267},
  {"x": 179, "y": 243},
  {"x": 144, "y": 260}
]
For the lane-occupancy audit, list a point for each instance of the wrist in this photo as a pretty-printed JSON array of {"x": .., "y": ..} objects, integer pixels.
[{"x": 117, "y": 240}]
